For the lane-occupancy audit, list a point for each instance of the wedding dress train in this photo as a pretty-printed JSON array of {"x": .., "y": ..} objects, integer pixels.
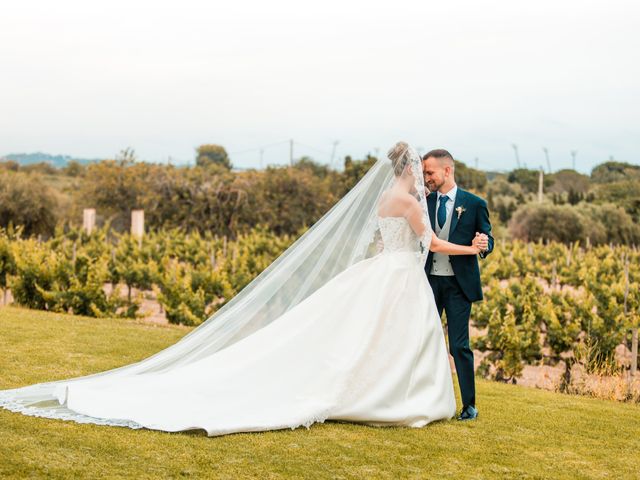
[{"x": 366, "y": 347}]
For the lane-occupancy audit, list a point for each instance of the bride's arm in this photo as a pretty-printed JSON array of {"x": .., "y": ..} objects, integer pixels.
[
  {"x": 442, "y": 246},
  {"x": 415, "y": 219}
]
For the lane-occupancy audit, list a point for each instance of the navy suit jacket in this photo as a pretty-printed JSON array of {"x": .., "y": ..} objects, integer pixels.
[{"x": 474, "y": 218}]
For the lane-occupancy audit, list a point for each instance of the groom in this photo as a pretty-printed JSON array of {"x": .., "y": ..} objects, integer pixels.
[{"x": 457, "y": 216}]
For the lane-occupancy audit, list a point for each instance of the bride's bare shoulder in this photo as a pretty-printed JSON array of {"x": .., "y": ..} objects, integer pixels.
[
  {"x": 396, "y": 203},
  {"x": 405, "y": 199},
  {"x": 397, "y": 197}
]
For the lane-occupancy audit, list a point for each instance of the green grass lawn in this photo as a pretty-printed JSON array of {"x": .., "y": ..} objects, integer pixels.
[{"x": 521, "y": 432}]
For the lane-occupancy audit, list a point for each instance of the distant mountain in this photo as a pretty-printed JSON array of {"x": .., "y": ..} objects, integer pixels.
[{"x": 57, "y": 161}]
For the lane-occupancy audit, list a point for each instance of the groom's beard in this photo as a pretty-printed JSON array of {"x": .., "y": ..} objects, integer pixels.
[{"x": 432, "y": 186}]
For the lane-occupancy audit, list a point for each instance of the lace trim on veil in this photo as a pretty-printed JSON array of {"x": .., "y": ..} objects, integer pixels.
[{"x": 59, "y": 412}]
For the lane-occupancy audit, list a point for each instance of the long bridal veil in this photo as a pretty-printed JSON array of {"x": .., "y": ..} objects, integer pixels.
[{"x": 341, "y": 238}]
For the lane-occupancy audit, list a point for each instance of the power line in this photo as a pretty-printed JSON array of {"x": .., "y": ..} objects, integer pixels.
[
  {"x": 257, "y": 149},
  {"x": 491, "y": 166},
  {"x": 292, "y": 143},
  {"x": 324, "y": 152}
]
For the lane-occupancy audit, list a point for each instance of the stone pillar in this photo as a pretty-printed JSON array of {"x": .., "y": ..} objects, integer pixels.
[
  {"x": 137, "y": 223},
  {"x": 540, "y": 185},
  {"x": 88, "y": 220}
]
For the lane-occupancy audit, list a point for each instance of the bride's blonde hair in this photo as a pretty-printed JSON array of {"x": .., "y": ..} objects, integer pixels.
[{"x": 399, "y": 156}]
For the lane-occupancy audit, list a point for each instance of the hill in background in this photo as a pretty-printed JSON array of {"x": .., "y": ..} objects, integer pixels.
[{"x": 58, "y": 161}]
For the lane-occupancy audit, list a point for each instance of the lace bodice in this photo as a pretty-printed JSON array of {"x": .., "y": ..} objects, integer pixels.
[{"x": 397, "y": 234}]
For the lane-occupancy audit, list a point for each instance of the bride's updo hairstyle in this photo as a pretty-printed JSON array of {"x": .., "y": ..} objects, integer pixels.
[{"x": 399, "y": 156}]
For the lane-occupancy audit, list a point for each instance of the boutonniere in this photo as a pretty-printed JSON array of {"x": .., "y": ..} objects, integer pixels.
[{"x": 460, "y": 211}]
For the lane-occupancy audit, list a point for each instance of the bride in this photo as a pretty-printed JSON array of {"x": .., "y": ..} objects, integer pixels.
[{"x": 332, "y": 330}]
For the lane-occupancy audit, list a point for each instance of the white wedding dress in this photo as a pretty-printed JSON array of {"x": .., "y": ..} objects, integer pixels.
[
  {"x": 366, "y": 347},
  {"x": 327, "y": 331}
]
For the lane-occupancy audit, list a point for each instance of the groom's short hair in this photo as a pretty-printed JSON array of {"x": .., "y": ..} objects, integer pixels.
[{"x": 441, "y": 155}]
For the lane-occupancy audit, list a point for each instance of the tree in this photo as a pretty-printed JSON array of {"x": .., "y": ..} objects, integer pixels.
[
  {"x": 602, "y": 224},
  {"x": 74, "y": 169},
  {"x": 10, "y": 165},
  {"x": 470, "y": 178},
  {"x": 624, "y": 193},
  {"x": 528, "y": 179},
  {"x": 504, "y": 197},
  {"x": 197, "y": 199},
  {"x": 285, "y": 199},
  {"x": 115, "y": 187},
  {"x": 26, "y": 200},
  {"x": 317, "y": 169},
  {"x": 127, "y": 156},
  {"x": 615, "y": 172},
  {"x": 354, "y": 170},
  {"x": 560, "y": 223},
  {"x": 210, "y": 154},
  {"x": 569, "y": 180},
  {"x": 615, "y": 225},
  {"x": 40, "y": 167}
]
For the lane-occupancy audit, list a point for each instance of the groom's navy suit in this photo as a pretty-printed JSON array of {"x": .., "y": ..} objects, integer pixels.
[{"x": 454, "y": 294}]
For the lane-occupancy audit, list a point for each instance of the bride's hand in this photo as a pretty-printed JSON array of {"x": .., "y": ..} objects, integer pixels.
[{"x": 475, "y": 244}]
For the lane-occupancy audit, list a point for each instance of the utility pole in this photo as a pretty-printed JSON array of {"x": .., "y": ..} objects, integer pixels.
[
  {"x": 476, "y": 163},
  {"x": 291, "y": 152},
  {"x": 540, "y": 185},
  {"x": 515, "y": 149},
  {"x": 333, "y": 152},
  {"x": 546, "y": 154},
  {"x": 261, "y": 158},
  {"x": 573, "y": 158}
]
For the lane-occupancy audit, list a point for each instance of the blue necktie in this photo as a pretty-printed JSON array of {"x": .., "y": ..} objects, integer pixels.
[{"x": 442, "y": 211}]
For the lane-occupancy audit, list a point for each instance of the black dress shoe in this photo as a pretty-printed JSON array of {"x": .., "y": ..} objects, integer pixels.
[{"x": 468, "y": 413}]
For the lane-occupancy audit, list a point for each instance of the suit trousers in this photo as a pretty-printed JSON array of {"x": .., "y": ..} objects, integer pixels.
[{"x": 449, "y": 297}]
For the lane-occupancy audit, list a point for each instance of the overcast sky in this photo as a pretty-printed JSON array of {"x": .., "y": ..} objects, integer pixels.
[{"x": 88, "y": 79}]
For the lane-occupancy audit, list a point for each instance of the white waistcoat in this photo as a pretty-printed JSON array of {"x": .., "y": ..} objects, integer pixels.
[{"x": 441, "y": 265}]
